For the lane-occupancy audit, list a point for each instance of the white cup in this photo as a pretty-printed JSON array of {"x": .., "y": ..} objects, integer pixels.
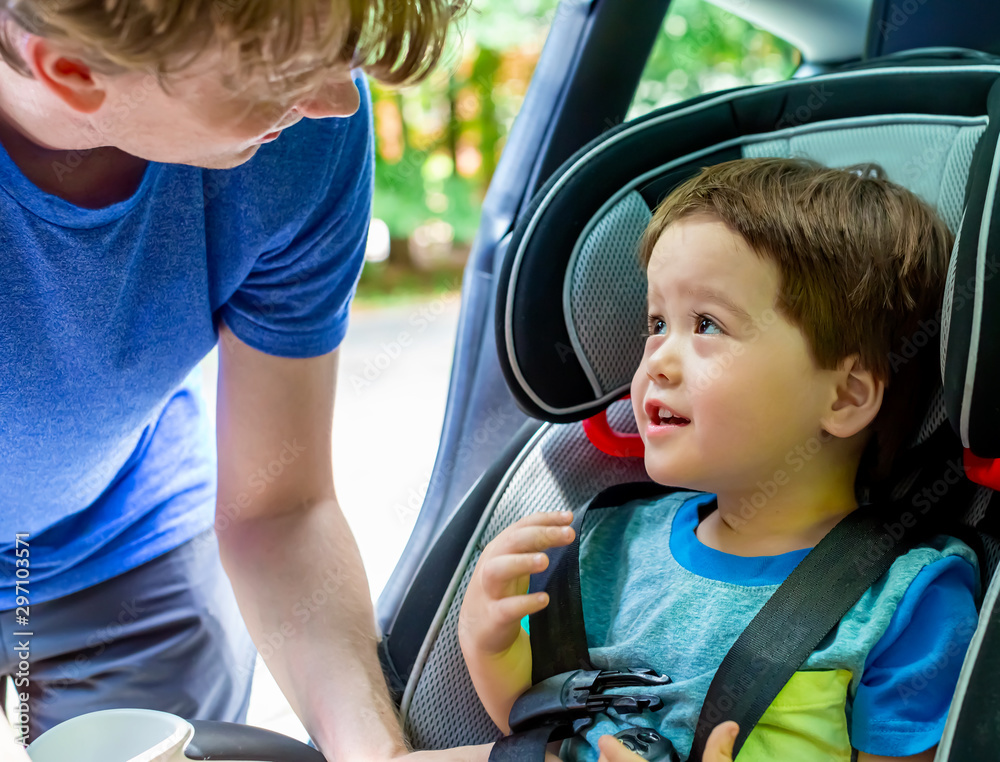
[
  {"x": 115, "y": 735},
  {"x": 143, "y": 735}
]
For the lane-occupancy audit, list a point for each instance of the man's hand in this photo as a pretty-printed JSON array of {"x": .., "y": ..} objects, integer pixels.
[{"x": 718, "y": 749}]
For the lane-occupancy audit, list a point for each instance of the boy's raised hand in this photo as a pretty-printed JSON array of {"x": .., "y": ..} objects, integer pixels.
[{"x": 495, "y": 601}]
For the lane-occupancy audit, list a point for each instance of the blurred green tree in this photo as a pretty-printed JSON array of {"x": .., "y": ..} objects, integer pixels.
[
  {"x": 702, "y": 48},
  {"x": 438, "y": 143}
]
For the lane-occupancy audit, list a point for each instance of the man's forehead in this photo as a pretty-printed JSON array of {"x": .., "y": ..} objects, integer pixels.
[{"x": 277, "y": 66}]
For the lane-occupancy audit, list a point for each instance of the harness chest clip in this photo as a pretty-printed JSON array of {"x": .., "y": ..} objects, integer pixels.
[{"x": 573, "y": 698}]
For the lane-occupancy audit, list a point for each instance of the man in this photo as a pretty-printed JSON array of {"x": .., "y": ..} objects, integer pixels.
[{"x": 178, "y": 173}]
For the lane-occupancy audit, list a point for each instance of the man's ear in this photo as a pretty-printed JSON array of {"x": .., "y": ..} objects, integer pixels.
[
  {"x": 70, "y": 79},
  {"x": 857, "y": 397}
]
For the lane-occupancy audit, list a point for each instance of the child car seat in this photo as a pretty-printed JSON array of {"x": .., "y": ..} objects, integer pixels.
[{"x": 930, "y": 119}]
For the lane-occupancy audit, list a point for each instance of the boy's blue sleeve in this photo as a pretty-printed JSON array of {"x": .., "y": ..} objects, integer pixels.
[
  {"x": 295, "y": 301},
  {"x": 911, "y": 673}
]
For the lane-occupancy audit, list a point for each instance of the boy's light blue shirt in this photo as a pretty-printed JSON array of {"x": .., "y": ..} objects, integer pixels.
[
  {"x": 654, "y": 596},
  {"x": 107, "y": 458}
]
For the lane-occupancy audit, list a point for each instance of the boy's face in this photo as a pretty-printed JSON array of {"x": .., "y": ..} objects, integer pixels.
[{"x": 746, "y": 382}]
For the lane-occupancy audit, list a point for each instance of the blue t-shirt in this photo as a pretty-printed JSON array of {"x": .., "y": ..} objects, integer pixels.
[
  {"x": 107, "y": 458},
  {"x": 655, "y": 596}
]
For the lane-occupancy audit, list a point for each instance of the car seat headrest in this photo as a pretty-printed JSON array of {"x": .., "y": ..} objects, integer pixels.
[
  {"x": 970, "y": 354},
  {"x": 570, "y": 314}
]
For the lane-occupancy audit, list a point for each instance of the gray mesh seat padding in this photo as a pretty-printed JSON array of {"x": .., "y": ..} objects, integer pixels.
[{"x": 560, "y": 469}]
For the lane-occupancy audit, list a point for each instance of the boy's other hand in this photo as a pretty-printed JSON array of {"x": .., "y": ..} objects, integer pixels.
[
  {"x": 720, "y": 743},
  {"x": 718, "y": 749},
  {"x": 496, "y": 600},
  {"x": 613, "y": 750}
]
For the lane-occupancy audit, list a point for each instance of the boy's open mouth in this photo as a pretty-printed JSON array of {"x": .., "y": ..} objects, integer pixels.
[
  {"x": 670, "y": 420},
  {"x": 663, "y": 416}
]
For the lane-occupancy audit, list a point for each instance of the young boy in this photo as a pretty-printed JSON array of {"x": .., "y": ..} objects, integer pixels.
[{"x": 779, "y": 294}]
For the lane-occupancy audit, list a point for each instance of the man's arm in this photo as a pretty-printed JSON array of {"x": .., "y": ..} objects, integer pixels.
[{"x": 289, "y": 552}]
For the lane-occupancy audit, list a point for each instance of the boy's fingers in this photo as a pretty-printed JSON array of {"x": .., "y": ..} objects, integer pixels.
[
  {"x": 719, "y": 747},
  {"x": 515, "y": 607},
  {"x": 536, "y": 520},
  {"x": 613, "y": 750},
  {"x": 500, "y": 571},
  {"x": 545, "y": 518},
  {"x": 537, "y": 539}
]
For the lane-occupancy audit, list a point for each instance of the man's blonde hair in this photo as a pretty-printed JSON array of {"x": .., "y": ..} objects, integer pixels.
[
  {"x": 863, "y": 263},
  {"x": 287, "y": 43}
]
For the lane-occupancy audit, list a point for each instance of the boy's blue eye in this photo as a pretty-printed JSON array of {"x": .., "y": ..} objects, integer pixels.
[
  {"x": 657, "y": 326},
  {"x": 706, "y": 319}
]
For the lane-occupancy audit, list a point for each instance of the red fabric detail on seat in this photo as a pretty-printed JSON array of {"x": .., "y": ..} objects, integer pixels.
[
  {"x": 985, "y": 471},
  {"x": 612, "y": 442}
]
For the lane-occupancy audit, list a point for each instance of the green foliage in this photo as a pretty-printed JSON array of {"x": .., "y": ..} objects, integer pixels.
[
  {"x": 403, "y": 192},
  {"x": 383, "y": 284},
  {"x": 468, "y": 106},
  {"x": 702, "y": 48},
  {"x": 504, "y": 24}
]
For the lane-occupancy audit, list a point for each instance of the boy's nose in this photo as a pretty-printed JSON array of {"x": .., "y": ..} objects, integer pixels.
[
  {"x": 663, "y": 363},
  {"x": 339, "y": 98}
]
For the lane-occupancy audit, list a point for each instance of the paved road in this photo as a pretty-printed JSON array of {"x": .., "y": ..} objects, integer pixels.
[{"x": 391, "y": 391}]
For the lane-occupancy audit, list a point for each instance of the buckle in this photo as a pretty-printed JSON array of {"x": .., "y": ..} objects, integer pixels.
[{"x": 572, "y": 698}]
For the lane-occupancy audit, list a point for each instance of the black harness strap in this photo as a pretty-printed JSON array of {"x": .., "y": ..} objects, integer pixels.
[
  {"x": 558, "y": 637},
  {"x": 524, "y": 745}
]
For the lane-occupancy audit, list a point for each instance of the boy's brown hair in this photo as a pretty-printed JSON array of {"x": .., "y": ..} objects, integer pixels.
[
  {"x": 863, "y": 264},
  {"x": 289, "y": 42}
]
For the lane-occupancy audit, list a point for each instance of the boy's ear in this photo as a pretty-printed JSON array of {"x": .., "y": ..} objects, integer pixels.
[
  {"x": 70, "y": 79},
  {"x": 857, "y": 399}
]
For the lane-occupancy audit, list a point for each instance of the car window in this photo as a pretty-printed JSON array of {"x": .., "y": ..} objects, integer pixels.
[
  {"x": 438, "y": 143},
  {"x": 702, "y": 48}
]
